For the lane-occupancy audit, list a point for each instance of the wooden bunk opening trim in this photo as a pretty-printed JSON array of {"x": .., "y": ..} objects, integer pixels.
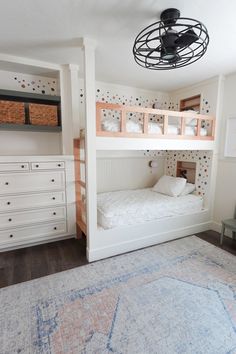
[
  {"x": 79, "y": 185},
  {"x": 180, "y": 116}
]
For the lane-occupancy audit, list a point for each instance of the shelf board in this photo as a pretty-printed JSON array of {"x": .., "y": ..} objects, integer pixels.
[
  {"x": 29, "y": 127},
  {"x": 29, "y": 95}
]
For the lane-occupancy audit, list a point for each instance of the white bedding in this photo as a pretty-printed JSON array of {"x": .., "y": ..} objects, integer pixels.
[
  {"x": 110, "y": 125},
  {"x": 130, "y": 207}
]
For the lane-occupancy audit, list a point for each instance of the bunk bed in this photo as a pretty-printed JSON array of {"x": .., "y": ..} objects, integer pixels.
[
  {"x": 173, "y": 130},
  {"x": 186, "y": 129}
]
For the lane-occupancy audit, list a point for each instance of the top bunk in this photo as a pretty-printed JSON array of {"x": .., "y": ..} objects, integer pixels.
[{"x": 121, "y": 127}]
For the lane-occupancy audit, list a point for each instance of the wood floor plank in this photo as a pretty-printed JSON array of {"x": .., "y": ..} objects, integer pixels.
[{"x": 33, "y": 262}]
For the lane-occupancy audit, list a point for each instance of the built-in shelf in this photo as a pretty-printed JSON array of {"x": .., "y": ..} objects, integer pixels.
[
  {"x": 25, "y": 111},
  {"x": 31, "y": 128},
  {"x": 29, "y": 95},
  {"x": 190, "y": 103}
]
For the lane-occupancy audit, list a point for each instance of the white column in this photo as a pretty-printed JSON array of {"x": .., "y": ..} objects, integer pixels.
[
  {"x": 66, "y": 110},
  {"x": 90, "y": 137},
  {"x": 215, "y": 157},
  {"x": 74, "y": 82}
]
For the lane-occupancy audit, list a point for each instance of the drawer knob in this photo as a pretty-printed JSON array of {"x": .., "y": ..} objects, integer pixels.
[
  {"x": 59, "y": 165},
  {"x": 6, "y": 183},
  {"x": 53, "y": 180},
  {"x": 54, "y": 213},
  {"x": 10, "y": 220},
  {"x": 11, "y": 236},
  {"x": 55, "y": 228},
  {"x": 36, "y": 165},
  {"x": 22, "y": 166},
  {"x": 8, "y": 203},
  {"x": 53, "y": 198}
]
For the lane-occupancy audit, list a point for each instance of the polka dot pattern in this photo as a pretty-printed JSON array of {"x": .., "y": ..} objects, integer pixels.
[
  {"x": 203, "y": 160},
  {"x": 108, "y": 96},
  {"x": 41, "y": 85}
]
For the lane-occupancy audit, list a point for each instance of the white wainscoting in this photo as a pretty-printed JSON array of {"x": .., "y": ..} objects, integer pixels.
[{"x": 127, "y": 172}]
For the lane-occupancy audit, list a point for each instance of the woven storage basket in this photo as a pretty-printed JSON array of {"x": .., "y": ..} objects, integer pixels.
[
  {"x": 12, "y": 112},
  {"x": 42, "y": 114}
]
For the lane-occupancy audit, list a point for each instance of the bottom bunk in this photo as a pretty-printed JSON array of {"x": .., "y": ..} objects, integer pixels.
[
  {"x": 130, "y": 207},
  {"x": 110, "y": 242},
  {"x": 132, "y": 219}
]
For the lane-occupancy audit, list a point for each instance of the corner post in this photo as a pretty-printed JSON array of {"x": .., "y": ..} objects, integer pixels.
[{"x": 90, "y": 140}]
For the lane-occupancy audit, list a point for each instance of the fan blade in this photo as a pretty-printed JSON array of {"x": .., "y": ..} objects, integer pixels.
[{"x": 186, "y": 39}]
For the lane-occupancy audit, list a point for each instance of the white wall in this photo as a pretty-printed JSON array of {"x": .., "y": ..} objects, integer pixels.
[
  {"x": 120, "y": 94},
  {"x": 10, "y": 80},
  {"x": 120, "y": 170},
  {"x": 225, "y": 194},
  {"x": 29, "y": 143}
]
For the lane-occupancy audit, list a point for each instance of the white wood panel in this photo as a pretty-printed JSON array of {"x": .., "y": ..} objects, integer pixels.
[
  {"x": 31, "y": 182},
  {"x": 24, "y": 201},
  {"x": 33, "y": 232},
  {"x": 52, "y": 165},
  {"x": 16, "y": 167},
  {"x": 127, "y": 173},
  {"x": 9, "y": 220},
  {"x": 152, "y": 144}
]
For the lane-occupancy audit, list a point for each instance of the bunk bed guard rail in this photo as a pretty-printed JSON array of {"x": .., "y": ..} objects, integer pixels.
[{"x": 145, "y": 113}]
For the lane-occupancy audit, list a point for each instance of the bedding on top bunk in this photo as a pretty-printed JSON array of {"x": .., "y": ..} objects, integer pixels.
[
  {"x": 129, "y": 207},
  {"x": 110, "y": 125}
]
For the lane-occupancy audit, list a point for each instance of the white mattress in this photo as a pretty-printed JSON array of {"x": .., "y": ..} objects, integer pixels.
[
  {"x": 110, "y": 125},
  {"x": 130, "y": 207}
]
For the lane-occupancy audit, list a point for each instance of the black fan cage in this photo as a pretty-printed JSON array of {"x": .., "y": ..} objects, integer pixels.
[{"x": 149, "y": 42}]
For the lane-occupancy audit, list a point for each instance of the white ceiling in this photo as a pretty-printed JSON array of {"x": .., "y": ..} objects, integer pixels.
[{"x": 48, "y": 29}]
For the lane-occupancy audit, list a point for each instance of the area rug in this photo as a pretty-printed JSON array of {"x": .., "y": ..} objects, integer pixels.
[{"x": 178, "y": 297}]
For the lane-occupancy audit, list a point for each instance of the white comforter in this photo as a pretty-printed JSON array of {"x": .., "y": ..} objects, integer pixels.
[
  {"x": 110, "y": 125},
  {"x": 141, "y": 205}
]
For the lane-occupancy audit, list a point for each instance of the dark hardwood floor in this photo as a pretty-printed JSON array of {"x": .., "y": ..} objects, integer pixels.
[{"x": 34, "y": 262}]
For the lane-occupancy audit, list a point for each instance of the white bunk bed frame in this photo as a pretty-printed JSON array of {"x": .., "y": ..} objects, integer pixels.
[
  {"x": 110, "y": 242},
  {"x": 106, "y": 243}
]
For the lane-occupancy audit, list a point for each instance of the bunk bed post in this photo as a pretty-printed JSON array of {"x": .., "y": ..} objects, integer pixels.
[
  {"x": 198, "y": 127},
  {"x": 213, "y": 127},
  {"x": 90, "y": 140},
  {"x": 123, "y": 120},
  {"x": 182, "y": 129},
  {"x": 98, "y": 117},
  {"x": 216, "y": 127},
  {"x": 145, "y": 123},
  {"x": 165, "y": 125}
]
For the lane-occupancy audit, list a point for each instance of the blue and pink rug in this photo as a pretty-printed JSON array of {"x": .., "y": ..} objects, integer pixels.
[{"x": 178, "y": 297}]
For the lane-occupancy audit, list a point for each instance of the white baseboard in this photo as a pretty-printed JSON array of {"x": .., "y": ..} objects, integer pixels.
[{"x": 154, "y": 239}]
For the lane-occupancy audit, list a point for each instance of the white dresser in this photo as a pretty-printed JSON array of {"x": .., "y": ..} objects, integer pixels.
[{"x": 37, "y": 200}]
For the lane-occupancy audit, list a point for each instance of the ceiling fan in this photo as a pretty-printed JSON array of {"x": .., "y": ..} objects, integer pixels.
[{"x": 171, "y": 43}]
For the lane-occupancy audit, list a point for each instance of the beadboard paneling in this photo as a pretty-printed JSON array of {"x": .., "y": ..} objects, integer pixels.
[{"x": 127, "y": 173}]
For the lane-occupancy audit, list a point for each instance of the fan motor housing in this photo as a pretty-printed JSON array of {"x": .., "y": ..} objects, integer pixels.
[{"x": 170, "y": 16}]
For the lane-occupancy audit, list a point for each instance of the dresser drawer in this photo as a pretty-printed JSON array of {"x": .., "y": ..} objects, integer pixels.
[
  {"x": 16, "y": 166},
  {"x": 10, "y": 203},
  {"x": 31, "y": 182},
  {"x": 53, "y": 165},
  {"x": 9, "y": 220},
  {"x": 33, "y": 232}
]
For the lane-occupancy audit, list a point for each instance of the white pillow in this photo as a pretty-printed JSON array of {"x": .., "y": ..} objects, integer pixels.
[
  {"x": 191, "y": 122},
  {"x": 171, "y": 186},
  {"x": 189, "y": 188}
]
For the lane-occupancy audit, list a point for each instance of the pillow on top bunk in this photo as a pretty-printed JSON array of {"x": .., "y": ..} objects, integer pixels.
[
  {"x": 191, "y": 122},
  {"x": 189, "y": 188},
  {"x": 171, "y": 186}
]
